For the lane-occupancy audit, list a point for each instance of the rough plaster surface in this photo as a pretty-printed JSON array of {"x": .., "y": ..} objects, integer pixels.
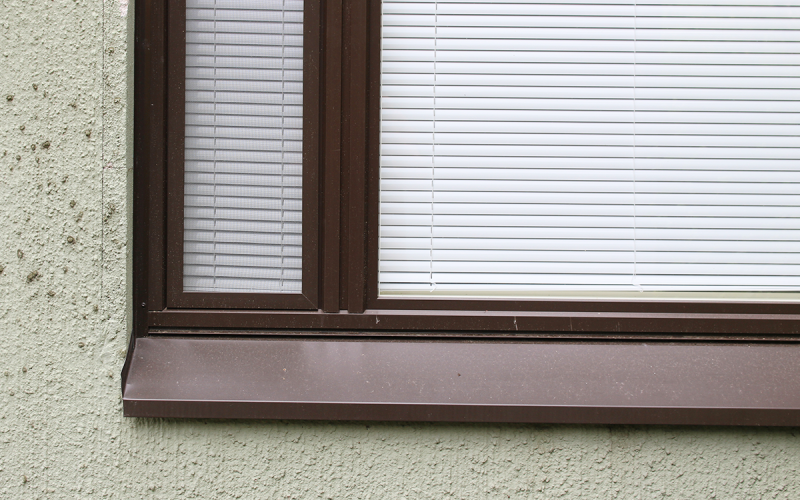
[{"x": 63, "y": 292}]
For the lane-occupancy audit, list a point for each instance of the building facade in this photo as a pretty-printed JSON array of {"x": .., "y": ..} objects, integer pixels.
[{"x": 64, "y": 324}]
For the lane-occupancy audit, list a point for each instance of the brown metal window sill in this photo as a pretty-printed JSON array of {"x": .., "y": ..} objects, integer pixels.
[{"x": 481, "y": 381}]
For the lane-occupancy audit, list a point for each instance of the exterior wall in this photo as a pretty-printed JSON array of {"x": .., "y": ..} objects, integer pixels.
[{"x": 64, "y": 222}]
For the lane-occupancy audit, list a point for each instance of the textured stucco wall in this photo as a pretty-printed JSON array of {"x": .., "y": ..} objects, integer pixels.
[{"x": 65, "y": 163}]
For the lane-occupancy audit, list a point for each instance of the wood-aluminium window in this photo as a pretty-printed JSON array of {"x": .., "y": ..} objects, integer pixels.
[{"x": 343, "y": 343}]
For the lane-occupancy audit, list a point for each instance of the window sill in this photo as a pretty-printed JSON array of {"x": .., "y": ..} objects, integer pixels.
[{"x": 481, "y": 381}]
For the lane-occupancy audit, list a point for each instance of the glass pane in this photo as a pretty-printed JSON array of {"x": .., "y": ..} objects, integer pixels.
[
  {"x": 610, "y": 150},
  {"x": 244, "y": 141}
]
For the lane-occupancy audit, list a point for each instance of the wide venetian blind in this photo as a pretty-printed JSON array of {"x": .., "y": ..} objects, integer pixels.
[
  {"x": 243, "y": 165},
  {"x": 531, "y": 146}
]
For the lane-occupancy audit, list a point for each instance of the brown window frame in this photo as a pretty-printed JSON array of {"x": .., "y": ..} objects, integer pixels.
[
  {"x": 175, "y": 126},
  {"x": 340, "y": 299}
]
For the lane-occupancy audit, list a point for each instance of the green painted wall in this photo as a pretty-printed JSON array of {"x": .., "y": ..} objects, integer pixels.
[{"x": 64, "y": 222}]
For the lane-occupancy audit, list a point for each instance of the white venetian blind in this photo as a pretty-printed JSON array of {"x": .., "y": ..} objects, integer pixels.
[
  {"x": 590, "y": 145},
  {"x": 243, "y": 165}
]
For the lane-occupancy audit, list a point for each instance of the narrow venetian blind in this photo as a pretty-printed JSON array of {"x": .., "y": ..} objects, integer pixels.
[
  {"x": 243, "y": 149},
  {"x": 590, "y": 146}
]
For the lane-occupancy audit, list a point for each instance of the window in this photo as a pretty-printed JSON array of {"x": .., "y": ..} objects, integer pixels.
[
  {"x": 244, "y": 93},
  {"x": 243, "y": 147},
  {"x": 559, "y": 150},
  {"x": 521, "y": 211}
]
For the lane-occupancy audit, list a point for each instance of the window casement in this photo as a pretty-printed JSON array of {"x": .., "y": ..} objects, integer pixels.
[
  {"x": 515, "y": 211},
  {"x": 244, "y": 204}
]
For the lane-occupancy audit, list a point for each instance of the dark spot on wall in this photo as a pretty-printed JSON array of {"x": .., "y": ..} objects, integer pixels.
[
  {"x": 35, "y": 87},
  {"x": 70, "y": 239},
  {"x": 81, "y": 345},
  {"x": 24, "y": 369},
  {"x": 22, "y": 127},
  {"x": 88, "y": 132},
  {"x": 46, "y": 144},
  {"x": 19, "y": 157},
  {"x": 51, "y": 293},
  {"x": 2, "y": 268},
  {"x": 33, "y": 275},
  {"x": 33, "y": 147},
  {"x": 72, "y": 204},
  {"x": 9, "y": 98},
  {"x": 112, "y": 208},
  {"x": 20, "y": 254}
]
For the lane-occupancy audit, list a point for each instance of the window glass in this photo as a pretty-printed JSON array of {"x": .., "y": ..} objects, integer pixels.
[
  {"x": 563, "y": 148},
  {"x": 243, "y": 147}
]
